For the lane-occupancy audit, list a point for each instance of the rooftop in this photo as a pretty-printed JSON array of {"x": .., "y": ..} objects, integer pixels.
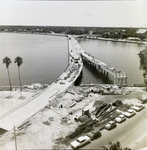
[{"x": 141, "y": 31}]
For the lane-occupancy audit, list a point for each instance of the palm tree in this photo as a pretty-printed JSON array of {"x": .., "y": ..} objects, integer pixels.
[
  {"x": 19, "y": 62},
  {"x": 104, "y": 148},
  {"x": 143, "y": 64},
  {"x": 7, "y": 61},
  {"x": 114, "y": 146}
]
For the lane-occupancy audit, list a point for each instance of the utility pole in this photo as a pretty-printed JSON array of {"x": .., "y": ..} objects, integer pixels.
[{"x": 15, "y": 138}]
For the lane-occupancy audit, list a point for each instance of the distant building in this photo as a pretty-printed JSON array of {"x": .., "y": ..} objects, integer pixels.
[
  {"x": 6, "y": 30},
  {"x": 37, "y": 30},
  {"x": 133, "y": 38},
  {"x": 20, "y": 30},
  {"x": 141, "y": 31}
]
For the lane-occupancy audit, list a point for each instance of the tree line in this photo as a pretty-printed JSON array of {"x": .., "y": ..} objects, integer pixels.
[
  {"x": 115, "y": 146},
  {"x": 7, "y": 61},
  {"x": 106, "y": 32},
  {"x": 143, "y": 64}
]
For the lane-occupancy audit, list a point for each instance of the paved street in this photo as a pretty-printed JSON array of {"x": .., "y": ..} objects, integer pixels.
[
  {"x": 29, "y": 109},
  {"x": 132, "y": 133},
  {"x": 18, "y": 115}
]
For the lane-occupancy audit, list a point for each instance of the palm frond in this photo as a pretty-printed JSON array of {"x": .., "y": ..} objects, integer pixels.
[
  {"x": 18, "y": 60},
  {"x": 7, "y": 61}
]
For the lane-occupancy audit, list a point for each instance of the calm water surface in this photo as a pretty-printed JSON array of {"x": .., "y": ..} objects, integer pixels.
[
  {"x": 46, "y": 57},
  {"x": 122, "y": 56}
]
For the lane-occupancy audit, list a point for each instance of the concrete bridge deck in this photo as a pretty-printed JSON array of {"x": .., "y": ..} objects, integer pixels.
[
  {"x": 75, "y": 65},
  {"x": 24, "y": 111}
]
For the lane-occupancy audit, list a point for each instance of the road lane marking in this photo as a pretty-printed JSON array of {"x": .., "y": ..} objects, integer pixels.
[
  {"x": 54, "y": 94},
  {"x": 141, "y": 138},
  {"x": 134, "y": 144},
  {"x": 137, "y": 127},
  {"x": 121, "y": 138}
]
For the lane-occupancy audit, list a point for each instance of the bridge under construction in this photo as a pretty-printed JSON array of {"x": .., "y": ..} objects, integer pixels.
[
  {"x": 73, "y": 71},
  {"x": 120, "y": 77}
]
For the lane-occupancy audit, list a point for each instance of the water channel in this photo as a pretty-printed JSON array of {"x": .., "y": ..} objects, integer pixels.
[
  {"x": 46, "y": 57},
  {"x": 122, "y": 56}
]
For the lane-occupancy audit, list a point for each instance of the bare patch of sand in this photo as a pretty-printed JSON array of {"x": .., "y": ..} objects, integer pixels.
[
  {"x": 53, "y": 123},
  {"x": 9, "y": 101}
]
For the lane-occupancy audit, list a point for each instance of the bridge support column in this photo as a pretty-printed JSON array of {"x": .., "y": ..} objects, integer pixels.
[
  {"x": 118, "y": 80},
  {"x": 115, "y": 80},
  {"x": 107, "y": 75},
  {"x": 78, "y": 81},
  {"x": 104, "y": 73},
  {"x": 98, "y": 69},
  {"x": 126, "y": 81},
  {"x": 101, "y": 71},
  {"x": 122, "y": 81}
]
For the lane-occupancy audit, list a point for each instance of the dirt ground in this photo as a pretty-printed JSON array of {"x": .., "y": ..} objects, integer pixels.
[
  {"x": 10, "y": 100},
  {"x": 49, "y": 127}
]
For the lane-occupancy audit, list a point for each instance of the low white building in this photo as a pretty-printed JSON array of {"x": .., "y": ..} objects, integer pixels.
[{"x": 141, "y": 31}]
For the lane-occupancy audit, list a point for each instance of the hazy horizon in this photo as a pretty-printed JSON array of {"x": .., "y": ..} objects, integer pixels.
[
  {"x": 74, "y": 13},
  {"x": 74, "y": 26}
]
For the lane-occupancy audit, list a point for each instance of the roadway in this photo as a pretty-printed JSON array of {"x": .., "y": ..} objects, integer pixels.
[
  {"x": 24, "y": 111},
  {"x": 131, "y": 133}
]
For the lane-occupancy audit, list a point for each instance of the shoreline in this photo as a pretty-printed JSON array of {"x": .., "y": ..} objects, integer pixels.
[
  {"x": 39, "y": 85},
  {"x": 54, "y": 119},
  {"x": 86, "y": 36},
  {"x": 50, "y": 34},
  {"x": 114, "y": 40},
  {"x": 82, "y": 36},
  {"x": 46, "y": 128}
]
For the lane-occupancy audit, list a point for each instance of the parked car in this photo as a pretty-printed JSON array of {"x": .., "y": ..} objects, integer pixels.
[
  {"x": 137, "y": 108},
  {"x": 129, "y": 113},
  {"x": 110, "y": 125},
  {"x": 120, "y": 118},
  {"x": 93, "y": 135},
  {"x": 140, "y": 106},
  {"x": 80, "y": 141},
  {"x": 143, "y": 101}
]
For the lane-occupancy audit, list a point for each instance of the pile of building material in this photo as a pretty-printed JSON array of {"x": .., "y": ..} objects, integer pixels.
[{"x": 70, "y": 104}]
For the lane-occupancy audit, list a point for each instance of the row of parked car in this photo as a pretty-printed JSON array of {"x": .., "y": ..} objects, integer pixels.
[
  {"x": 121, "y": 118},
  {"x": 85, "y": 139},
  {"x": 110, "y": 125}
]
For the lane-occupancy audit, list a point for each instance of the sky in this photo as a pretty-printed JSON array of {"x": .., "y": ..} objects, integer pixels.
[{"x": 106, "y": 13}]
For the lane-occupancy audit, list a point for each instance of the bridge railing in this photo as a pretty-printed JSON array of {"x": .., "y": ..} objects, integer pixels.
[
  {"x": 75, "y": 64},
  {"x": 115, "y": 72}
]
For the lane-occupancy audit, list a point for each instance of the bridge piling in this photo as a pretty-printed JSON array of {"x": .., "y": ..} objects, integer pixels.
[
  {"x": 103, "y": 69},
  {"x": 78, "y": 80},
  {"x": 107, "y": 75}
]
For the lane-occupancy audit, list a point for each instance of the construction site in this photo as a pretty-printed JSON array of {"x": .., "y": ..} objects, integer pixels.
[{"x": 78, "y": 111}]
